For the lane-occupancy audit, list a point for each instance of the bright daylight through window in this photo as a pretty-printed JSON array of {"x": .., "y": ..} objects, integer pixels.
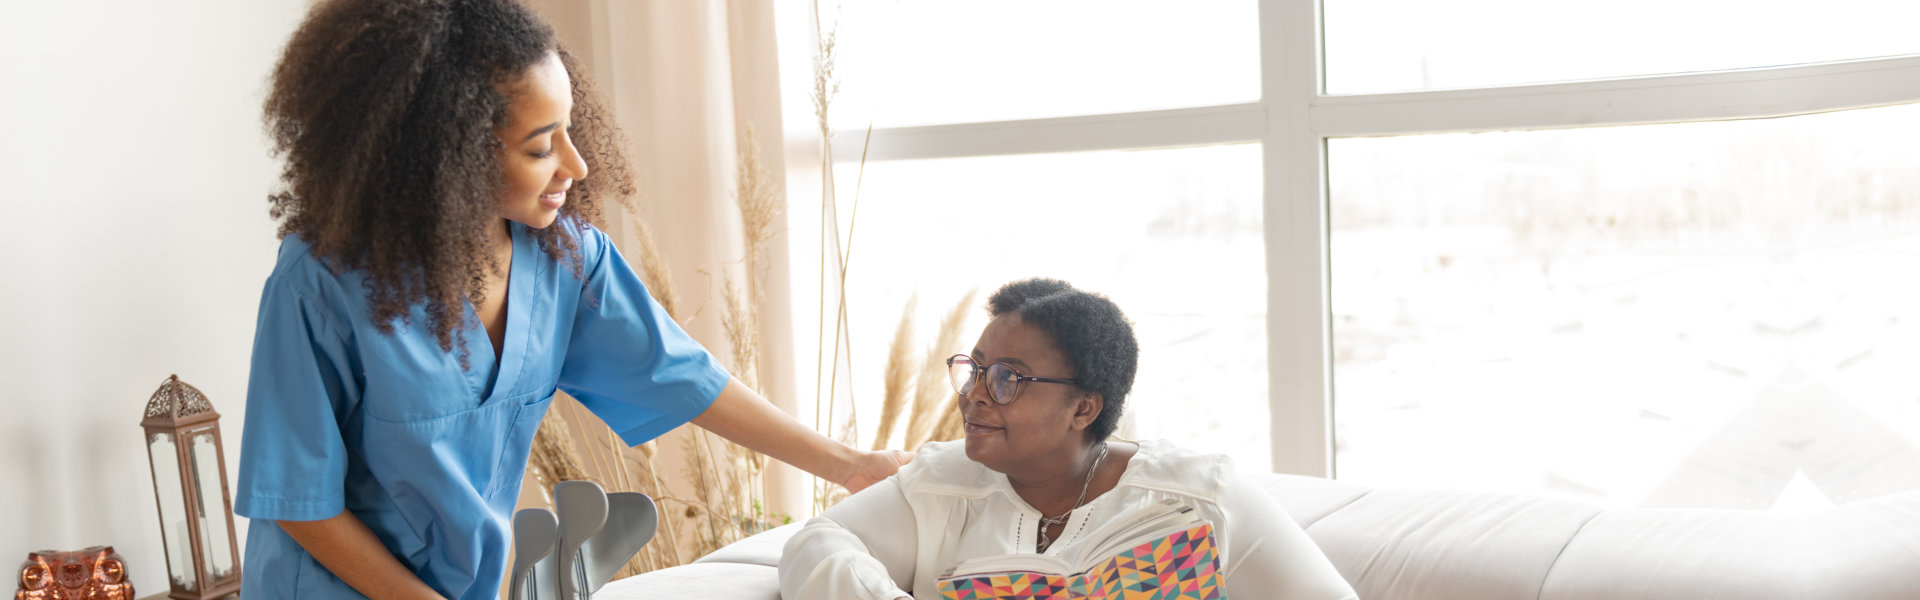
[
  {"x": 1641, "y": 253},
  {"x": 1698, "y": 314},
  {"x": 920, "y": 63}
]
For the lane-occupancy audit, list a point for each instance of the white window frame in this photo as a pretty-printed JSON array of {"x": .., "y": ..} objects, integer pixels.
[{"x": 1293, "y": 120}]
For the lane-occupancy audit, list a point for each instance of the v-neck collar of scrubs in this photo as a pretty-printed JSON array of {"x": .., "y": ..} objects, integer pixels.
[{"x": 496, "y": 378}]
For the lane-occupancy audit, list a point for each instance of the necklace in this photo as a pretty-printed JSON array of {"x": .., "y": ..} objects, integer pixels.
[{"x": 1046, "y": 521}]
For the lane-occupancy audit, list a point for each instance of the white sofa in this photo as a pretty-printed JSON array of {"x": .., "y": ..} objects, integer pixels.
[{"x": 1434, "y": 545}]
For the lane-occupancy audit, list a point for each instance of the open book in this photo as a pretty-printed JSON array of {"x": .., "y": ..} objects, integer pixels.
[{"x": 1162, "y": 552}]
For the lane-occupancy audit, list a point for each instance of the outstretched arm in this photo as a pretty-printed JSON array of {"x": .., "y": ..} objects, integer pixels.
[{"x": 742, "y": 416}]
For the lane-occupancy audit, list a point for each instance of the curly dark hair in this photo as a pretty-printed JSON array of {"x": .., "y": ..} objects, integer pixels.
[
  {"x": 1090, "y": 331},
  {"x": 384, "y": 112}
]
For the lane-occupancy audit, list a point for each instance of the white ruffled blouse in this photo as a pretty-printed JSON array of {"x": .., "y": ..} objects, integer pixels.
[{"x": 903, "y": 533}]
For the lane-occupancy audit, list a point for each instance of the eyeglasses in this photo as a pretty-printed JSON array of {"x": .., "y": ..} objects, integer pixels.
[{"x": 1002, "y": 382}]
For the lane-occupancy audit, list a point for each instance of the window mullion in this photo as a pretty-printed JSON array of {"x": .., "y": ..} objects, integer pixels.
[
  {"x": 1201, "y": 126},
  {"x": 1721, "y": 95},
  {"x": 1294, "y": 161}
]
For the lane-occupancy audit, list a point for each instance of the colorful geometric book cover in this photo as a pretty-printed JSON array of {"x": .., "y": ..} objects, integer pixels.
[{"x": 1182, "y": 565}]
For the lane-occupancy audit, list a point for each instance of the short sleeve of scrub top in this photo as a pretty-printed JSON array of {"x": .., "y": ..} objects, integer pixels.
[{"x": 426, "y": 451}]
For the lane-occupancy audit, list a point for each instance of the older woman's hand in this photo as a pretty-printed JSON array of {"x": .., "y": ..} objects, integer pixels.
[{"x": 873, "y": 467}]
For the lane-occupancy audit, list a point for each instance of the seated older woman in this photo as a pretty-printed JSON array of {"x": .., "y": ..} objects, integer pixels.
[{"x": 1041, "y": 394}]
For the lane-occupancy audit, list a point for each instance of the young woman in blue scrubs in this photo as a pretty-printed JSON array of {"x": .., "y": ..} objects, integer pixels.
[{"x": 438, "y": 281}]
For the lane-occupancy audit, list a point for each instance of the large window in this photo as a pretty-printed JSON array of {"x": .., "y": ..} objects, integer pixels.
[{"x": 1347, "y": 260}]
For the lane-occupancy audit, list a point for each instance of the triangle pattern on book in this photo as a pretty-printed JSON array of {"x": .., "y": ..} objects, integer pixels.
[{"x": 1184, "y": 565}]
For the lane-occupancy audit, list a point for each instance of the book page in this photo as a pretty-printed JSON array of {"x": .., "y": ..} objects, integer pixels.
[{"x": 1153, "y": 521}]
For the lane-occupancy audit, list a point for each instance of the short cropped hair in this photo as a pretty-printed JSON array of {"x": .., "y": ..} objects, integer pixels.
[{"x": 1089, "y": 330}]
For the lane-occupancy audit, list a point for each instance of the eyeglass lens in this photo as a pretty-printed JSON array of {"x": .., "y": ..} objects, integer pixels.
[{"x": 1003, "y": 383}]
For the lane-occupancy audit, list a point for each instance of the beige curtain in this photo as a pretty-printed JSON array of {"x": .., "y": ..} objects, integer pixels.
[{"x": 687, "y": 80}]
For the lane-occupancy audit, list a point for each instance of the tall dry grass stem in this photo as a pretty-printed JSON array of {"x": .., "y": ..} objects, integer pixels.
[
  {"x": 653, "y": 269},
  {"x": 949, "y": 427},
  {"x": 825, "y": 87},
  {"x": 554, "y": 458},
  {"x": 931, "y": 397},
  {"x": 741, "y": 323},
  {"x": 833, "y": 263},
  {"x": 900, "y": 375},
  {"x": 761, "y": 206}
]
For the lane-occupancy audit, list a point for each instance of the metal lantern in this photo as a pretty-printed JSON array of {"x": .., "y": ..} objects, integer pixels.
[{"x": 190, "y": 483}]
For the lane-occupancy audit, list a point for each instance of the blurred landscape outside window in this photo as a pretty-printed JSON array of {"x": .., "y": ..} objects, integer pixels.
[{"x": 1719, "y": 314}]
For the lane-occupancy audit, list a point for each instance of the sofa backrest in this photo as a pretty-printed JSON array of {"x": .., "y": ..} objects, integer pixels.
[{"x": 1438, "y": 545}]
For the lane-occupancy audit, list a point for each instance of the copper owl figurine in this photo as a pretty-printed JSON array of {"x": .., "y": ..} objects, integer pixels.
[{"x": 95, "y": 573}]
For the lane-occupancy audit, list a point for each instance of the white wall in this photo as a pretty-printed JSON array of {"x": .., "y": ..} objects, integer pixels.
[{"x": 133, "y": 177}]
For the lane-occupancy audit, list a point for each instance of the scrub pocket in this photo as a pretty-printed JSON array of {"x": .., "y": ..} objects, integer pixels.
[{"x": 519, "y": 442}]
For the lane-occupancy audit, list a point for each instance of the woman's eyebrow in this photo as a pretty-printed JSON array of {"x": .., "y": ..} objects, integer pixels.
[
  {"x": 541, "y": 131},
  {"x": 981, "y": 357}
]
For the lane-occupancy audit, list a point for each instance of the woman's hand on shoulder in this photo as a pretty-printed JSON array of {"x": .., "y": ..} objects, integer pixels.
[{"x": 873, "y": 467}]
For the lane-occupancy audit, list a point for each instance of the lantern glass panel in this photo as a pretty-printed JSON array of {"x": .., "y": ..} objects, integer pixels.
[
  {"x": 211, "y": 507},
  {"x": 173, "y": 514}
]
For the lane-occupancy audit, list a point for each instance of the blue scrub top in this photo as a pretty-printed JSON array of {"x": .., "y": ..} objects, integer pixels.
[{"x": 427, "y": 453}]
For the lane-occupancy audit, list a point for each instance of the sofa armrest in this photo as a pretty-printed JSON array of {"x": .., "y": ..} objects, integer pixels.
[{"x": 761, "y": 549}]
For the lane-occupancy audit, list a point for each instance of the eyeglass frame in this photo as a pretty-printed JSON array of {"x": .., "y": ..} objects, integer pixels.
[{"x": 980, "y": 373}]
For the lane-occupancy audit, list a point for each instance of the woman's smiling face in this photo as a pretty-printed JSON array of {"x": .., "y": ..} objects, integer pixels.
[
  {"x": 538, "y": 159},
  {"x": 1043, "y": 419}
]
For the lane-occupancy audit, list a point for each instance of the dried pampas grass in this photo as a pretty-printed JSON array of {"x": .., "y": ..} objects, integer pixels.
[
  {"x": 742, "y": 324},
  {"x": 726, "y": 477},
  {"x": 653, "y": 269},
  {"x": 825, "y": 84},
  {"x": 950, "y": 427},
  {"x": 554, "y": 458},
  {"x": 759, "y": 198},
  {"x": 899, "y": 377},
  {"x": 933, "y": 396}
]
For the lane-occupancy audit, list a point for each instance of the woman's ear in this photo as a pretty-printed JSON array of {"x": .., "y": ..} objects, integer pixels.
[{"x": 1086, "y": 408}]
